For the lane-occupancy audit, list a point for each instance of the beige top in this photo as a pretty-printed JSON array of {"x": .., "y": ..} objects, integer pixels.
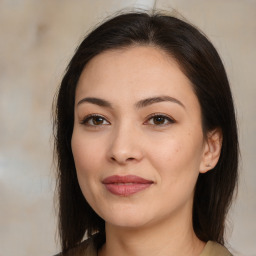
[
  {"x": 87, "y": 248},
  {"x": 214, "y": 249}
]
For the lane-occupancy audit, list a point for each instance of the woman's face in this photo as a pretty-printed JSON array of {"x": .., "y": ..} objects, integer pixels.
[{"x": 137, "y": 141}]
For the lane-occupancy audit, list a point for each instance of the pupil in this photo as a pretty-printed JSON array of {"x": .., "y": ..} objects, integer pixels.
[
  {"x": 97, "y": 120},
  {"x": 158, "y": 120}
]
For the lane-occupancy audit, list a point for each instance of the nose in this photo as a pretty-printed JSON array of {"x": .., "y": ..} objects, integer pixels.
[{"x": 126, "y": 146}]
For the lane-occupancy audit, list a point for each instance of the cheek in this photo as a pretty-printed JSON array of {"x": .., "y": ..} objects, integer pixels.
[
  {"x": 177, "y": 164},
  {"x": 178, "y": 156},
  {"x": 86, "y": 151},
  {"x": 86, "y": 156}
]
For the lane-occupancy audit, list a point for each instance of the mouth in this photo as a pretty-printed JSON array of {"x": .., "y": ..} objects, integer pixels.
[{"x": 126, "y": 185}]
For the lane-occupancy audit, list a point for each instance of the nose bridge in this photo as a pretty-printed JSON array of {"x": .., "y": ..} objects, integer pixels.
[{"x": 125, "y": 142}]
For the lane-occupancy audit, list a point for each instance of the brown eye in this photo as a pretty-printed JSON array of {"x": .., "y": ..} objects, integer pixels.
[
  {"x": 95, "y": 120},
  {"x": 159, "y": 120}
]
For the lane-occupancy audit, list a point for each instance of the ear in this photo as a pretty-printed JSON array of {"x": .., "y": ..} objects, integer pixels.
[{"x": 212, "y": 150}]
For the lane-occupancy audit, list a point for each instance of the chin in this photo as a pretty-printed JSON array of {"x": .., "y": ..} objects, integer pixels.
[
  {"x": 128, "y": 223},
  {"x": 126, "y": 219}
]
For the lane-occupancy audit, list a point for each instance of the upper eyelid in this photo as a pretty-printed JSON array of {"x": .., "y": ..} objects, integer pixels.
[
  {"x": 161, "y": 114},
  {"x": 87, "y": 117}
]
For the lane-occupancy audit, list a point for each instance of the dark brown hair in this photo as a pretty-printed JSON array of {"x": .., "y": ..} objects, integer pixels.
[{"x": 201, "y": 63}]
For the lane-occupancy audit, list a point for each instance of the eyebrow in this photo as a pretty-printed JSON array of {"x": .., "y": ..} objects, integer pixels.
[
  {"x": 140, "y": 104},
  {"x": 149, "y": 101},
  {"x": 96, "y": 101}
]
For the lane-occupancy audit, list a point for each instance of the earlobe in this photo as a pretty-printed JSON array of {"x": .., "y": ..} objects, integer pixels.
[{"x": 212, "y": 150}]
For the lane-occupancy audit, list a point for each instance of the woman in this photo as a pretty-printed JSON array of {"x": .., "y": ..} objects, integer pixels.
[{"x": 146, "y": 141}]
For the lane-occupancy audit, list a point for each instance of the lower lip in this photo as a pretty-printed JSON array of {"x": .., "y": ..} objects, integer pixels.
[{"x": 126, "y": 189}]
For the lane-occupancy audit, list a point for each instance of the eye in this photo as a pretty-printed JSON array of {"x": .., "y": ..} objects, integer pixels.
[
  {"x": 160, "y": 120},
  {"x": 94, "y": 120}
]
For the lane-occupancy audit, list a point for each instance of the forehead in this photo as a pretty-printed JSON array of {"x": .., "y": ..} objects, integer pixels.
[
  {"x": 143, "y": 71},
  {"x": 136, "y": 59}
]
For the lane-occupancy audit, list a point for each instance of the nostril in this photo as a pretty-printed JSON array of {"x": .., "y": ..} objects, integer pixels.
[{"x": 122, "y": 160}]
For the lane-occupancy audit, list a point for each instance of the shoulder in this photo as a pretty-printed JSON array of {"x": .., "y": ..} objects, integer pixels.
[
  {"x": 215, "y": 249},
  {"x": 86, "y": 248}
]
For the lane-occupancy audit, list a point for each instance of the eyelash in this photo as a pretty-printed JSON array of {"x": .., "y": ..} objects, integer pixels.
[
  {"x": 167, "y": 118},
  {"x": 88, "y": 118}
]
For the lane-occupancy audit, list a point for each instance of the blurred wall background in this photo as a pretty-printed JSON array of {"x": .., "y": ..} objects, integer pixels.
[{"x": 37, "y": 38}]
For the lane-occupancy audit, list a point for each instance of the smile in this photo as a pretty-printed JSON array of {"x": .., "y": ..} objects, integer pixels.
[{"x": 126, "y": 185}]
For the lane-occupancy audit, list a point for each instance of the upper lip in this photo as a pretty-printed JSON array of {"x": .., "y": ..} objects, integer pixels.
[{"x": 126, "y": 179}]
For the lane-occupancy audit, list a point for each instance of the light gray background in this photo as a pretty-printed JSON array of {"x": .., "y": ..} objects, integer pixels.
[{"x": 37, "y": 38}]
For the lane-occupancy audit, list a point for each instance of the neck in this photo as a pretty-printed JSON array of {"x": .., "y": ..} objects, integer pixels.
[{"x": 169, "y": 237}]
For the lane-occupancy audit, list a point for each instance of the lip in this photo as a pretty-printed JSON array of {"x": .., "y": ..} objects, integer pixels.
[{"x": 126, "y": 185}]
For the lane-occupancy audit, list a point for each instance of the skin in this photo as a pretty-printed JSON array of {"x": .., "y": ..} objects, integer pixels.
[{"x": 125, "y": 139}]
